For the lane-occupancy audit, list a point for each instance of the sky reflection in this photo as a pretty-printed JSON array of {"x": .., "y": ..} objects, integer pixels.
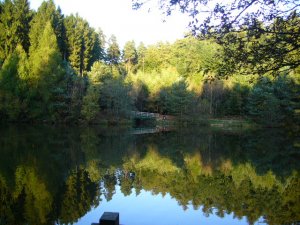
[{"x": 149, "y": 209}]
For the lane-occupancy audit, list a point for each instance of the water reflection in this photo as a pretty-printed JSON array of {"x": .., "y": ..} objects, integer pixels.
[{"x": 58, "y": 174}]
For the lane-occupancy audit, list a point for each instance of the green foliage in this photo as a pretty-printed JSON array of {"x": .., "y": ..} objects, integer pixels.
[
  {"x": 50, "y": 68},
  {"x": 235, "y": 102},
  {"x": 176, "y": 100},
  {"x": 90, "y": 104},
  {"x": 83, "y": 44},
  {"x": 37, "y": 197},
  {"x": 130, "y": 56},
  {"x": 220, "y": 173},
  {"x": 141, "y": 51},
  {"x": 47, "y": 12},
  {"x": 191, "y": 56},
  {"x": 78, "y": 196},
  {"x": 13, "y": 85},
  {"x": 270, "y": 103},
  {"x": 257, "y": 36},
  {"x": 113, "y": 51},
  {"x": 156, "y": 57},
  {"x": 115, "y": 97},
  {"x": 46, "y": 72},
  {"x": 107, "y": 92},
  {"x": 15, "y": 17}
]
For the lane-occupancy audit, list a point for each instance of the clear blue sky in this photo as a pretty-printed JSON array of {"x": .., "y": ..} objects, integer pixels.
[{"x": 117, "y": 17}]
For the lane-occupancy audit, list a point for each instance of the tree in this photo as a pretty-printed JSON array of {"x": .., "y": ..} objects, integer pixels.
[
  {"x": 177, "y": 99},
  {"x": 261, "y": 35},
  {"x": 79, "y": 195},
  {"x": 101, "y": 43},
  {"x": 15, "y": 17},
  {"x": 130, "y": 56},
  {"x": 23, "y": 16},
  {"x": 115, "y": 97},
  {"x": 48, "y": 12},
  {"x": 235, "y": 100},
  {"x": 141, "y": 51},
  {"x": 113, "y": 50},
  {"x": 157, "y": 57},
  {"x": 46, "y": 72},
  {"x": 141, "y": 94},
  {"x": 263, "y": 106},
  {"x": 90, "y": 105},
  {"x": 10, "y": 102},
  {"x": 74, "y": 42},
  {"x": 83, "y": 44},
  {"x": 192, "y": 56},
  {"x": 272, "y": 102}
]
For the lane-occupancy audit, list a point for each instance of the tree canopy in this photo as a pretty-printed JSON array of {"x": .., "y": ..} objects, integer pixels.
[
  {"x": 57, "y": 68},
  {"x": 262, "y": 36}
]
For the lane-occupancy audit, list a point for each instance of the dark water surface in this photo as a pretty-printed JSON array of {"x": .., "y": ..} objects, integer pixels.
[{"x": 71, "y": 175}]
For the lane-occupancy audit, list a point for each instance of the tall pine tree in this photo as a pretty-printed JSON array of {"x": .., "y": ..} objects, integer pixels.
[
  {"x": 82, "y": 43},
  {"x": 15, "y": 17},
  {"x": 130, "y": 56},
  {"x": 113, "y": 51}
]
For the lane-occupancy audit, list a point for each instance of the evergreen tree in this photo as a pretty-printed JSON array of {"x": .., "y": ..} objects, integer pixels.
[
  {"x": 91, "y": 51},
  {"x": 130, "y": 56},
  {"x": 23, "y": 16},
  {"x": 263, "y": 106},
  {"x": 74, "y": 42},
  {"x": 101, "y": 43},
  {"x": 15, "y": 17},
  {"x": 113, "y": 51},
  {"x": 48, "y": 12},
  {"x": 83, "y": 44},
  {"x": 60, "y": 31},
  {"x": 141, "y": 52},
  {"x": 177, "y": 99}
]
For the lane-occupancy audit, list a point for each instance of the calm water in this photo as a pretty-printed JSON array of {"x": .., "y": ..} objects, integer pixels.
[{"x": 71, "y": 175}]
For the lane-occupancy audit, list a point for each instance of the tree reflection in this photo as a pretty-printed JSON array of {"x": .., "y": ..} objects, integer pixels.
[
  {"x": 56, "y": 175},
  {"x": 240, "y": 190},
  {"x": 110, "y": 182},
  {"x": 78, "y": 197}
]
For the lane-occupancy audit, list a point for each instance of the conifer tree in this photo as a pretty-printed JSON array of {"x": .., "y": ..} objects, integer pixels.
[
  {"x": 15, "y": 17},
  {"x": 82, "y": 43},
  {"x": 74, "y": 42},
  {"x": 101, "y": 38},
  {"x": 141, "y": 52},
  {"x": 48, "y": 12},
  {"x": 130, "y": 56},
  {"x": 22, "y": 16},
  {"x": 113, "y": 51}
]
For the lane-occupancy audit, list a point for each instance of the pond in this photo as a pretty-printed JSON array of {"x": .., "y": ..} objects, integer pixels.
[{"x": 71, "y": 175}]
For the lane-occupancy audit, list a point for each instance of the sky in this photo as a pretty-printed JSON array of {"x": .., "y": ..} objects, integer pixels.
[{"x": 117, "y": 17}]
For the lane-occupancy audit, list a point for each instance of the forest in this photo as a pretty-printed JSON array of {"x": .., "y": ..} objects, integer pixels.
[{"x": 56, "y": 68}]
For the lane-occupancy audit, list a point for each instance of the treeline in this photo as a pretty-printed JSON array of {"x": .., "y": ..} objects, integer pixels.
[
  {"x": 57, "y": 68},
  {"x": 43, "y": 59}
]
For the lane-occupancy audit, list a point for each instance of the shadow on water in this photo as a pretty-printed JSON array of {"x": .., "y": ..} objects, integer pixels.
[{"x": 52, "y": 174}]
